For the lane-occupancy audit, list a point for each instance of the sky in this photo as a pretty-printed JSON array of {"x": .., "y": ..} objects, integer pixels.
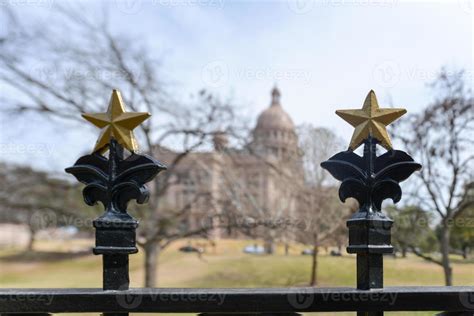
[{"x": 323, "y": 55}]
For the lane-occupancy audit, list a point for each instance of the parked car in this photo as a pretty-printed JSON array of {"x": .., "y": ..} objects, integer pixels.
[
  {"x": 254, "y": 249},
  {"x": 307, "y": 252},
  {"x": 335, "y": 253},
  {"x": 188, "y": 248}
]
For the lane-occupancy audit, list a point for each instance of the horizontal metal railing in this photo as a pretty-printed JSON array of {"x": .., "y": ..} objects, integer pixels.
[{"x": 238, "y": 300}]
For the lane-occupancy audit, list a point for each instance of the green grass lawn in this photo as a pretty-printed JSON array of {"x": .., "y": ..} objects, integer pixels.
[{"x": 226, "y": 266}]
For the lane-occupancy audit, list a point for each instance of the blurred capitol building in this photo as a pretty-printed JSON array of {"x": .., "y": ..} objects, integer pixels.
[{"x": 241, "y": 186}]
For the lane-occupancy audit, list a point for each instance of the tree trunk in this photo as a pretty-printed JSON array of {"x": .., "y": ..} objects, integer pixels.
[
  {"x": 269, "y": 245},
  {"x": 465, "y": 251},
  {"x": 314, "y": 266},
  {"x": 31, "y": 240},
  {"x": 152, "y": 252},
  {"x": 287, "y": 249},
  {"x": 448, "y": 272},
  {"x": 404, "y": 252}
]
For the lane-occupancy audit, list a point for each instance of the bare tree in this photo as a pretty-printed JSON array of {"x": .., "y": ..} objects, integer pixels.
[
  {"x": 322, "y": 212},
  {"x": 71, "y": 64},
  {"x": 441, "y": 138},
  {"x": 38, "y": 200}
]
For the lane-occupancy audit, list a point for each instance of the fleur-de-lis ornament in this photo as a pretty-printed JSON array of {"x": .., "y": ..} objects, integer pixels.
[
  {"x": 371, "y": 179},
  {"x": 115, "y": 181}
]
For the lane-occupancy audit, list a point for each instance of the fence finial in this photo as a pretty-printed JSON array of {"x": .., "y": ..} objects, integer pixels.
[
  {"x": 370, "y": 120},
  {"x": 114, "y": 181},
  {"x": 117, "y": 124},
  {"x": 370, "y": 179}
]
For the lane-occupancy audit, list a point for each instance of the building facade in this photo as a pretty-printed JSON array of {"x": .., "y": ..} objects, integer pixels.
[{"x": 239, "y": 188}]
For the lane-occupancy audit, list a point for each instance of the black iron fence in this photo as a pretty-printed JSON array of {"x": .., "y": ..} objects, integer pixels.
[
  {"x": 116, "y": 180},
  {"x": 274, "y": 301}
]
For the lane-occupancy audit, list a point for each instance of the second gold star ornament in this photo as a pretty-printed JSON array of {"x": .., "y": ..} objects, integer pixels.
[{"x": 117, "y": 124}]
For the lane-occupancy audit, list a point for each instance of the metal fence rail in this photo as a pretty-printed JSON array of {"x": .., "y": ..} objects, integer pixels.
[{"x": 241, "y": 300}]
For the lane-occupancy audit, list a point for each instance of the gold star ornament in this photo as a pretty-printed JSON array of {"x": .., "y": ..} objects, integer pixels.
[
  {"x": 117, "y": 124},
  {"x": 370, "y": 121}
]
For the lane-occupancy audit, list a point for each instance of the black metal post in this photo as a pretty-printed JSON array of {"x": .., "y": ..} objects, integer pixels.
[
  {"x": 115, "y": 235},
  {"x": 369, "y": 238},
  {"x": 115, "y": 272},
  {"x": 370, "y": 179},
  {"x": 114, "y": 182},
  {"x": 369, "y": 235}
]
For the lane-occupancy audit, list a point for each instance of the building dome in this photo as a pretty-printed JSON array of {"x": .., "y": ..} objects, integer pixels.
[
  {"x": 275, "y": 133},
  {"x": 275, "y": 118}
]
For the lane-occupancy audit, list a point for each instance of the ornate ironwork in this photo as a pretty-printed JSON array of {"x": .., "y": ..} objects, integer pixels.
[
  {"x": 115, "y": 181},
  {"x": 371, "y": 120},
  {"x": 370, "y": 179},
  {"x": 117, "y": 124}
]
